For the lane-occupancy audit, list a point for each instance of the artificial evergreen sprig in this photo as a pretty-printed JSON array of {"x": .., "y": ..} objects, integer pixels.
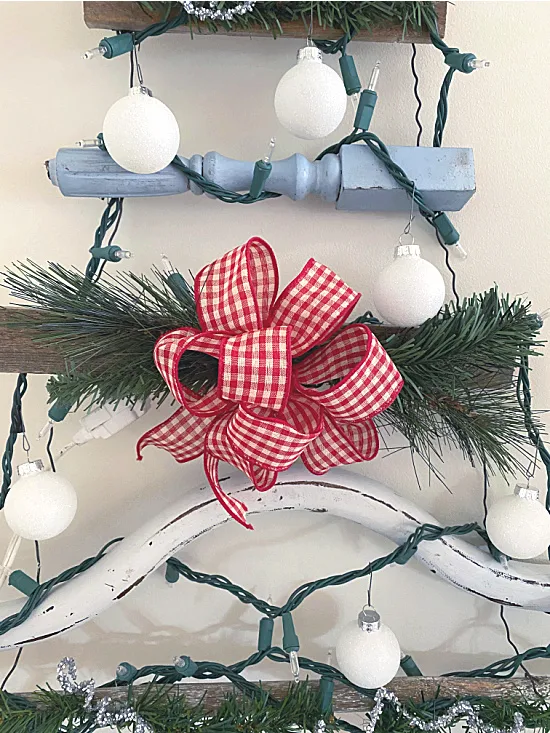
[
  {"x": 457, "y": 366},
  {"x": 445, "y": 362},
  {"x": 344, "y": 17},
  {"x": 167, "y": 711}
]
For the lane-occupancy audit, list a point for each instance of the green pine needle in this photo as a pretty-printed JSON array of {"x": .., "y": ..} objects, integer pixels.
[
  {"x": 457, "y": 367},
  {"x": 344, "y": 17},
  {"x": 166, "y": 710}
]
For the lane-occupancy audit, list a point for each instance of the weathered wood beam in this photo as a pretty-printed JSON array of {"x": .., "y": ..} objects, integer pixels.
[
  {"x": 21, "y": 352},
  {"x": 130, "y": 16},
  {"x": 346, "y": 700}
]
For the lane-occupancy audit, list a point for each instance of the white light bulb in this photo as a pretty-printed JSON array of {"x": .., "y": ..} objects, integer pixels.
[
  {"x": 41, "y": 504},
  {"x": 409, "y": 290},
  {"x": 519, "y": 525},
  {"x": 140, "y": 133},
  {"x": 310, "y": 100},
  {"x": 368, "y": 652}
]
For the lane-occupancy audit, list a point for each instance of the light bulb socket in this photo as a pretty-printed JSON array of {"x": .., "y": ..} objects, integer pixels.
[
  {"x": 265, "y": 634},
  {"x": 406, "y": 250},
  {"x": 526, "y": 492},
  {"x": 368, "y": 620},
  {"x": 22, "y": 582},
  {"x": 309, "y": 53},
  {"x": 59, "y": 411},
  {"x": 350, "y": 77},
  {"x": 365, "y": 109},
  {"x": 445, "y": 228},
  {"x": 113, "y": 46},
  {"x": 171, "y": 574},
  {"x": 125, "y": 672},
  {"x": 185, "y": 666},
  {"x": 30, "y": 468}
]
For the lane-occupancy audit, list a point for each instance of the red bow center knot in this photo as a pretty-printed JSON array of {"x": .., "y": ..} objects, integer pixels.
[{"x": 277, "y": 398}]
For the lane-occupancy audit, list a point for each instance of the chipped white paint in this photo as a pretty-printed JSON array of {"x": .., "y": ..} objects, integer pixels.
[{"x": 339, "y": 493}]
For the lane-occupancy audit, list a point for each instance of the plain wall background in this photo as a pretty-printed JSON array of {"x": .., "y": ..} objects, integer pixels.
[{"x": 221, "y": 91}]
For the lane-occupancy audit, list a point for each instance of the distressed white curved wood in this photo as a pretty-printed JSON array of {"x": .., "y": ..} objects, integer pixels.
[{"x": 339, "y": 493}]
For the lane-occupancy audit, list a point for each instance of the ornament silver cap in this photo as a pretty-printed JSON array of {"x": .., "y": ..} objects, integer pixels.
[
  {"x": 27, "y": 469},
  {"x": 526, "y": 492},
  {"x": 368, "y": 619},
  {"x": 406, "y": 250},
  {"x": 134, "y": 91},
  {"x": 309, "y": 53}
]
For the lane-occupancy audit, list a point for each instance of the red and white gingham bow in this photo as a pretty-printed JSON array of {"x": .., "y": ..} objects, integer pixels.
[{"x": 266, "y": 411}]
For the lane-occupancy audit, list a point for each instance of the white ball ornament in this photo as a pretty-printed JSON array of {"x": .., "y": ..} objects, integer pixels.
[
  {"x": 140, "y": 133},
  {"x": 41, "y": 504},
  {"x": 409, "y": 290},
  {"x": 310, "y": 100},
  {"x": 519, "y": 525},
  {"x": 368, "y": 652}
]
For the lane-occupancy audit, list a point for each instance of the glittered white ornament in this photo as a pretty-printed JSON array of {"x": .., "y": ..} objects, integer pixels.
[
  {"x": 409, "y": 290},
  {"x": 310, "y": 100},
  {"x": 140, "y": 133},
  {"x": 518, "y": 524},
  {"x": 41, "y": 504},
  {"x": 368, "y": 652}
]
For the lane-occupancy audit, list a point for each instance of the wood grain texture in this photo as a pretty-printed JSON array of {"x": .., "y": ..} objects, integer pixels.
[
  {"x": 20, "y": 351},
  {"x": 346, "y": 700},
  {"x": 129, "y": 16}
]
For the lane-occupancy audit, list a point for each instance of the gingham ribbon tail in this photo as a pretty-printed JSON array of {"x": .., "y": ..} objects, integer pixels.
[{"x": 275, "y": 400}]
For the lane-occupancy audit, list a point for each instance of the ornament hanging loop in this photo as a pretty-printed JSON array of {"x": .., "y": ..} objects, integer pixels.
[
  {"x": 26, "y": 445},
  {"x": 369, "y": 589},
  {"x": 407, "y": 229},
  {"x": 406, "y": 238},
  {"x": 309, "y": 40},
  {"x": 135, "y": 66}
]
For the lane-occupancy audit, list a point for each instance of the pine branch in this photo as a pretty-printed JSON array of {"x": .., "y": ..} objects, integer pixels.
[
  {"x": 107, "y": 332},
  {"x": 167, "y": 711},
  {"x": 344, "y": 17}
]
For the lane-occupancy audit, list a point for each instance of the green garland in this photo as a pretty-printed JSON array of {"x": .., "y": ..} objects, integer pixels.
[
  {"x": 166, "y": 710},
  {"x": 345, "y": 17},
  {"x": 107, "y": 331}
]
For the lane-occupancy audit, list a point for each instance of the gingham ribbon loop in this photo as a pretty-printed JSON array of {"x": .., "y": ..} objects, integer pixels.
[
  {"x": 266, "y": 410},
  {"x": 235, "y": 294},
  {"x": 255, "y": 368},
  {"x": 368, "y": 380}
]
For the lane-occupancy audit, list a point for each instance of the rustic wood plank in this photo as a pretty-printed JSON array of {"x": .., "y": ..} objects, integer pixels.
[
  {"x": 21, "y": 352},
  {"x": 346, "y": 700},
  {"x": 130, "y": 16}
]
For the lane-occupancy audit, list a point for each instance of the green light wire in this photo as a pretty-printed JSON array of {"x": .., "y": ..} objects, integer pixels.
[
  {"x": 110, "y": 219},
  {"x": 43, "y": 590},
  {"x": 17, "y": 427}
]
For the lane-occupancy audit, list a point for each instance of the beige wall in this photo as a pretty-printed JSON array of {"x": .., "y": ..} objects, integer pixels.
[{"x": 221, "y": 92}]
